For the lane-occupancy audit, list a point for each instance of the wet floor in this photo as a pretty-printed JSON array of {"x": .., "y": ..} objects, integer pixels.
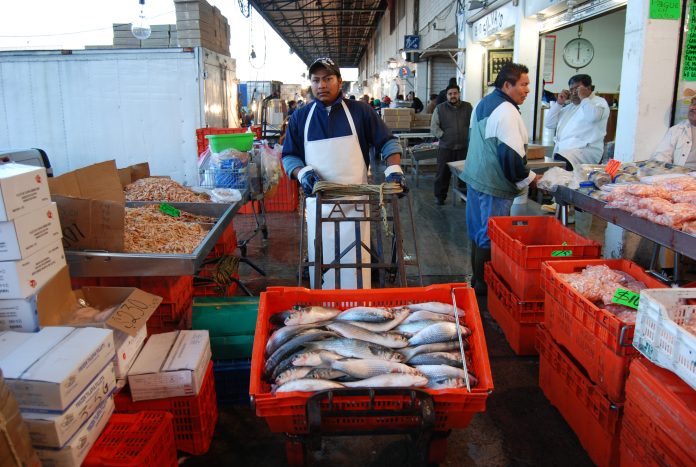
[{"x": 519, "y": 426}]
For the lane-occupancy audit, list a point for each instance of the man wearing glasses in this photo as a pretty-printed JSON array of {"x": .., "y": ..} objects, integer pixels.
[{"x": 330, "y": 140}]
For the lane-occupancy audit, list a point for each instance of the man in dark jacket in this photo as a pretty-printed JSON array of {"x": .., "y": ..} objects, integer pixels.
[
  {"x": 450, "y": 124},
  {"x": 442, "y": 96}
]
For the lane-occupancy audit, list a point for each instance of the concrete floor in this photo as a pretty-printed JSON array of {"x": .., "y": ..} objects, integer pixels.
[{"x": 519, "y": 426}]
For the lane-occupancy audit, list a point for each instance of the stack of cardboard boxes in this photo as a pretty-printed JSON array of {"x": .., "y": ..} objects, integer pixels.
[
  {"x": 421, "y": 121},
  {"x": 162, "y": 35},
  {"x": 199, "y": 24},
  {"x": 31, "y": 252},
  {"x": 398, "y": 119}
]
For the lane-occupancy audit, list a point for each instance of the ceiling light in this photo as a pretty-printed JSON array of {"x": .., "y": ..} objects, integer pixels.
[
  {"x": 496, "y": 43},
  {"x": 140, "y": 28}
]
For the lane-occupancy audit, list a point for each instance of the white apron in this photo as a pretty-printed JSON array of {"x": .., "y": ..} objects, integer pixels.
[{"x": 337, "y": 160}]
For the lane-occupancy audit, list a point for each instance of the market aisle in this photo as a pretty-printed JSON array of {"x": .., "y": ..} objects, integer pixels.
[{"x": 519, "y": 428}]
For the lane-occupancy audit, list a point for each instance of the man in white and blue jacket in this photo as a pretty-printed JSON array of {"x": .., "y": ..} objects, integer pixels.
[{"x": 496, "y": 166}]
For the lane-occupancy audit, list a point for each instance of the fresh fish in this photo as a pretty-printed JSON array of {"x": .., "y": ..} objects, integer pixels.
[
  {"x": 284, "y": 365},
  {"x": 311, "y": 314},
  {"x": 424, "y": 315},
  {"x": 306, "y": 384},
  {"x": 446, "y": 383},
  {"x": 399, "y": 316},
  {"x": 369, "y": 367},
  {"x": 446, "y": 371},
  {"x": 325, "y": 373},
  {"x": 315, "y": 358},
  {"x": 414, "y": 326},
  {"x": 284, "y": 334},
  {"x": 292, "y": 374},
  {"x": 410, "y": 352},
  {"x": 392, "y": 340},
  {"x": 354, "y": 348},
  {"x": 437, "y": 358},
  {"x": 438, "y": 332},
  {"x": 390, "y": 380},
  {"x": 366, "y": 314},
  {"x": 437, "y": 307},
  {"x": 279, "y": 318},
  {"x": 287, "y": 348}
]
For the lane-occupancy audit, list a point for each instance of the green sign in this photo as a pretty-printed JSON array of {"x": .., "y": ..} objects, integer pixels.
[
  {"x": 626, "y": 297},
  {"x": 665, "y": 9},
  {"x": 169, "y": 210},
  {"x": 562, "y": 253},
  {"x": 689, "y": 52}
]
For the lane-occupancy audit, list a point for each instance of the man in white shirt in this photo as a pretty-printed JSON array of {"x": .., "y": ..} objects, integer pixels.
[
  {"x": 677, "y": 145},
  {"x": 580, "y": 120}
]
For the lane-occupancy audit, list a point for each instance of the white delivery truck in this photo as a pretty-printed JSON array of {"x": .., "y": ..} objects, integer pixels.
[{"x": 131, "y": 105}]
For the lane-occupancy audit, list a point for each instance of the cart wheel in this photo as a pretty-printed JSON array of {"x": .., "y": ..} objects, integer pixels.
[
  {"x": 437, "y": 449},
  {"x": 295, "y": 452}
]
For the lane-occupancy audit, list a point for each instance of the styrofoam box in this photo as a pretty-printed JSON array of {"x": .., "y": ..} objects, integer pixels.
[
  {"x": 19, "y": 314},
  {"x": 49, "y": 369},
  {"x": 23, "y": 188},
  {"x": 659, "y": 335},
  {"x": 75, "y": 451},
  {"x": 22, "y": 278},
  {"x": 25, "y": 235},
  {"x": 54, "y": 430}
]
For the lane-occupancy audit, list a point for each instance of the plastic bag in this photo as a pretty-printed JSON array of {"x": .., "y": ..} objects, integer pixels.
[
  {"x": 271, "y": 168},
  {"x": 225, "y": 195},
  {"x": 556, "y": 176}
]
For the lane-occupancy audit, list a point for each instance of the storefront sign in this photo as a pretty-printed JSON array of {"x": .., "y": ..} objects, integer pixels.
[
  {"x": 404, "y": 72},
  {"x": 689, "y": 55},
  {"x": 411, "y": 42},
  {"x": 495, "y": 21},
  {"x": 665, "y": 9}
]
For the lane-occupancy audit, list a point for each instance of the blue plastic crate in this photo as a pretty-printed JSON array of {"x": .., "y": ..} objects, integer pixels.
[{"x": 232, "y": 381}]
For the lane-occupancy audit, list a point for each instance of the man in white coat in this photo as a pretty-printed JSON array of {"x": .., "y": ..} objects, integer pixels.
[
  {"x": 580, "y": 120},
  {"x": 677, "y": 145}
]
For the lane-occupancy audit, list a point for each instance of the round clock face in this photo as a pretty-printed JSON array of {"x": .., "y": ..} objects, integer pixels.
[{"x": 578, "y": 53}]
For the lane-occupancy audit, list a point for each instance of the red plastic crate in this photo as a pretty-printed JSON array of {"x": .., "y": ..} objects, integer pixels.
[
  {"x": 194, "y": 419},
  {"x": 520, "y": 244},
  {"x": 284, "y": 199},
  {"x": 595, "y": 419},
  {"x": 214, "y": 290},
  {"x": 144, "y": 439},
  {"x": 168, "y": 318},
  {"x": 202, "y": 143},
  {"x": 173, "y": 289},
  {"x": 660, "y": 412},
  {"x": 516, "y": 318},
  {"x": 286, "y": 412},
  {"x": 596, "y": 338},
  {"x": 226, "y": 244}
]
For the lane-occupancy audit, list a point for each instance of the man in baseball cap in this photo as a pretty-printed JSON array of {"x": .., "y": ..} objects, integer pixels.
[{"x": 327, "y": 64}]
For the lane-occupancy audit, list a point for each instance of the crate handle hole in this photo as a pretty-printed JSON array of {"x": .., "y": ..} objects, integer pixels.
[{"x": 520, "y": 222}]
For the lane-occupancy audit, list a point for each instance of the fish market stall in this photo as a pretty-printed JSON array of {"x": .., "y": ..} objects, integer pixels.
[{"x": 391, "y": 361}]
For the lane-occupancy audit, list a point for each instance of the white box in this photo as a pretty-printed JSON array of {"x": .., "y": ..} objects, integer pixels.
[
  {"x": 19, "y": 314},
  {"x": 25, "y": 235},
  {"x": 23, "y": 188},
  {"x": 75, "y": 452},
  {"x": 127, "y": 349},
  {"x": 54, "y": 430},
  {"x": 50, "y": 368},
  {"x": 172, "y": 364},
  {"x": 19, "y": 279}
]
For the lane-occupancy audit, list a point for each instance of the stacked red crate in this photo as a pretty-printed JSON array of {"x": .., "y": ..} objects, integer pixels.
[
  {"x": 284, "y": 199},
  {"x": 202, "y": 142}
]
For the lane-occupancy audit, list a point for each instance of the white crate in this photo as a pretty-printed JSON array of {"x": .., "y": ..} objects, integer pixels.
[{"x": 659, "y": 334}]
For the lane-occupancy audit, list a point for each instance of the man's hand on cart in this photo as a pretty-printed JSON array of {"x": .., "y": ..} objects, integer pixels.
[
  {"x": 394, "y": 174},
  {"x": 308, "y": 177}
]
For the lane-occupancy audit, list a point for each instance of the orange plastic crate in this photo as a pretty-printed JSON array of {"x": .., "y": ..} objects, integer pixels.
[
  {"x": 144, "y": 439},
  {"x": 194, "y": 419},
  {"x": 594, "y": 418},
  {"x": 226, "y": 244},
  {"x": 520, "y": 244},
  {"x": 202, "y": 143},
  {"x": 177, "y": 290},
  {"x": 284, "y": 199},
  {"x": 661, "y": 413},
  {"x": 287, "y": 412},
  {"x": 596, "y": 338},
  {"x": 516, "y": 318}
]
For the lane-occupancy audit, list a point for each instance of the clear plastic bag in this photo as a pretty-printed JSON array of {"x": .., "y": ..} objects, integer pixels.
[
  {"x": 271, "y": 167},
  {"x": 556, "y": 176}
]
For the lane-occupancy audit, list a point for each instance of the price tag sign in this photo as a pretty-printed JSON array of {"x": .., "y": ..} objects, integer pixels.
[
  {"x": 169, "y": 210},
  {"x": 562, "y": 253},
  {"x": 134, "y": 311},
  {"x": 626, "y": 297}
]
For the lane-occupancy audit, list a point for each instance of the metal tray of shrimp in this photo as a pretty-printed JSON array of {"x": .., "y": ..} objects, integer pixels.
[{"x": 91, "y": 263}]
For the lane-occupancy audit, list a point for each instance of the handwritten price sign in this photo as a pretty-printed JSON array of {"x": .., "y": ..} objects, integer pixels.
[{"x": 626, "y": 297}]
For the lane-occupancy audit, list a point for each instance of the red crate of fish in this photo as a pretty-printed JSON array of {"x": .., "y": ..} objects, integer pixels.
[
  {"x": 131, "y": 440},
  {"x": 202, "y": 142},
  {"x": 287, "y": 412},
  {"x": 597, "y": 339},
  {"x": 516, "y": 318},
  {"x": 660, "y": 415},
  {"x": 194, "y": 419},
  {"x": 595, "y": 419},
  {"x": 285, "y": 198},
  {"x": 520, "y": 244}
]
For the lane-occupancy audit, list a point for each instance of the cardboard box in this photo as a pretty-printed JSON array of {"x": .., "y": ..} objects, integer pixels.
[
  {"x": 127, "y": 349},
  {"x": 75, "y": 451},
  {"x": 19, "y": 314},
  {"x": 91, "y": 206},
  {"x": 20, "y": 279},
  {"x": 23, "y": 236},
  {"x": 50, "y": 368},
  {"x": 55, "y": 430},
  {"x": 23, "y": 188},
  {"x": 170, "y": 365},
  {"x": 535, "y": 152}
]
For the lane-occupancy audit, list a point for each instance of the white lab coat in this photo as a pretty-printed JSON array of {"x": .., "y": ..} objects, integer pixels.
[{"x": 580, "y": 129}]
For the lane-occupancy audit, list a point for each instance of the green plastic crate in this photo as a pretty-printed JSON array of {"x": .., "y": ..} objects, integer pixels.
[
  {"x": 231, "y": 347},
  {"x": 231, "y": 322}
]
